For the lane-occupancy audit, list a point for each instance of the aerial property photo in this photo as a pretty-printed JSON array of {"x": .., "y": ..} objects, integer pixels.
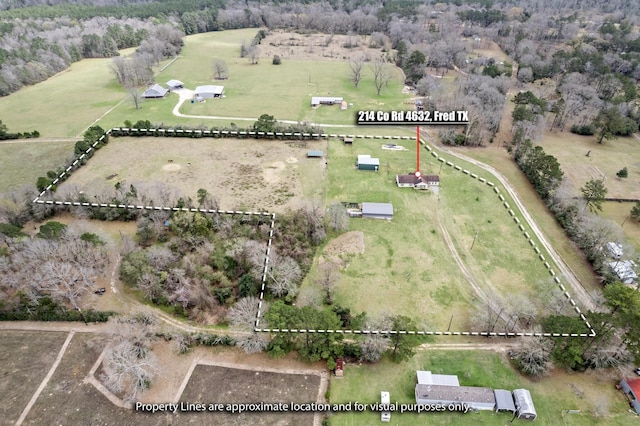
[{"x": 305, "y": 213}]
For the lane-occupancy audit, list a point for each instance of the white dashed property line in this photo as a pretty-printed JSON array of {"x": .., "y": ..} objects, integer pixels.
[
  {"x": 271, "y": 232},
  {"x": 530, "y": 240}
]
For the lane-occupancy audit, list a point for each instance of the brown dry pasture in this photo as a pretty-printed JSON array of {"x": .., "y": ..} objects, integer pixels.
[
  {"x": 25, "y": 359},
  {"x": 242, "y": 174},
  {"x": 247, "y": 387}
]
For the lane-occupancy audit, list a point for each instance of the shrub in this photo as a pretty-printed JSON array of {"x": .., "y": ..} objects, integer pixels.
[
  {"x": 276, "y": 60},
  {"x": 585, "y": 130}
]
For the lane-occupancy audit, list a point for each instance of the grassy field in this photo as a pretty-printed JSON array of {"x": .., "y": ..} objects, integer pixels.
[
  {"x": 407, "y": 265},
  {"x": 23, "y": 163},
  {"x": 66, "y": 104},
  {"x": 499, "y": 159},
  {"x": 286, "y": 96},
  {"x": 604, "y": 160},
  {"x": 552, "y": 396},
  {"x": 241, "y": 174}
]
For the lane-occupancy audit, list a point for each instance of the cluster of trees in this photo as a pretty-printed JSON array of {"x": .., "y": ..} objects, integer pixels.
[
  {"x": 44, "y": 278},
  {"x": 615, "y": 342},
  {"x": 34, "y": 49}
]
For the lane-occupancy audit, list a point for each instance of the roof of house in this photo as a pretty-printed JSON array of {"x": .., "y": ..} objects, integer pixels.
[
  {"x": 413, "y": 180},
  {"x": 504, "y": 400},
  {"x": 634, "y": 384},
  {"x": 174, "y": 83},
  {"x": 155, "y": 90},
  {"x": 209, "y": 88},
  {"x": 316, "y": 100},
  {"x": 428, "y": 378},
  {"x": 314, "y": 153},
  {"x": 624, "y": 269},
  {"x": 615, "y": 249},
  {"x": 467, "y": 394},
  {"x": 377, "y": 209},
  {"x": 524, "y": 403}
]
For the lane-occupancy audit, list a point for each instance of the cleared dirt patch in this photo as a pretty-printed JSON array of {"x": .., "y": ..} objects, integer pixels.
[
  {"x": 340, "y": 248},
  {"x": 247, "y": 386},
  {"x": 241, "y": 174},
  {"x": 25, "y": 359}
]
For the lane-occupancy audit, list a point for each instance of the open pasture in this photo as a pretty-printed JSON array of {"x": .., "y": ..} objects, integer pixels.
[
  {"x": 242, "y": 174},
  {"x": 65, "y": 104},
  {"x": 409, "y": 263},
  {"x": 23, "y": 162}
]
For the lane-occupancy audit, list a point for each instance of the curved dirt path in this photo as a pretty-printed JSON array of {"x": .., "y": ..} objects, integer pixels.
[{"x": 578, "y": 289}]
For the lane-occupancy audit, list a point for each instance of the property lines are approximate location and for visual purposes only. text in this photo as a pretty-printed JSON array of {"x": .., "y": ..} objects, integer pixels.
[{"x": 272, "y": 216}]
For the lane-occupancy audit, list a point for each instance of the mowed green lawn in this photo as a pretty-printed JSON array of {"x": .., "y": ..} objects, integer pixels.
[
  {"x": 552, "y": 396},
  {"x": 407, "y": 267},
  {"x": 22, "y": 163},
  {"x": 66, "y": 104}
]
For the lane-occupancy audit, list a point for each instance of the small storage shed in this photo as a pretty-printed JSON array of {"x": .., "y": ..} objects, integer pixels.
[
  {"x": 314, "y": 154},
  {"x": 175, "y": 84},
  {"x": 209, "y": 91},
  {"x": 365, "y": 162},
  {"x": 339, "y": 367},
  {"x": 631, "y": 388},
  {"x": 155, "y": 91},
  {"x": 348, "y": 141},
  {"x": 504, "y": 401},
  {"x": 377, "y": 210},
  {"x": 325, "y": 100},
  {"x": 343, "y": 105},
  {"x": 524, "y": 404}
]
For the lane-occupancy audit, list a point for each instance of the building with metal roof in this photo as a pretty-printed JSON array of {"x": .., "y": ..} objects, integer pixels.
[
  {"x": 624, "y": 270},
  {"x": 631, "y": 388},
  {"x": 524, "y": 404},
  {"x": 155, "y": 91},
  {"x": 175, "y": 84},
  {"x": 325, "y": 100},
  {"x": 209, "y": 91},
  {"x": 428, "y": 378},
  {"x": 366, "y": 162},
  {"x": 377, "y": 210},
  {"x": 504, "y": 400},
  {"x": 314, "y": 154},
  {"x": 475, "y": 398}
]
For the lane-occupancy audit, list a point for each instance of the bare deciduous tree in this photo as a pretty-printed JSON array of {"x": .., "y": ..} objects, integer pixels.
[
  {"x": 136, "y": 96},
  {"x": 127, "y": 373},
  {"x": 220, "y": 69},
  {"x": 381, "y": 74},
  {"x": 534, "y": 356},
  {"x": 243, "y": 314},
  {"x": 356, "y": 66},
  {"x": 338, "y": 217},
  {"x": 328, "y": 278}
]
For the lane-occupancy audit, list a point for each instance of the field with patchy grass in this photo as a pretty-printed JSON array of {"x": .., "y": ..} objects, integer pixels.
[
  {"x": 25, "y": 359},
  {"x": 408, "y": 263},
  {"x": 243, "y": 174},
  {"x": 22, "y": 163},
  {"x": 247, "y": 387},
  {"x": 552, "y": 396}
]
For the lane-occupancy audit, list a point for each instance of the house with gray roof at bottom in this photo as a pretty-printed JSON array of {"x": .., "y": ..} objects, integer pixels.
[
  {"x": 377, "y": 210},
  {"x": 155, "y": 91},
  {"x": 459, "y": 397}
]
